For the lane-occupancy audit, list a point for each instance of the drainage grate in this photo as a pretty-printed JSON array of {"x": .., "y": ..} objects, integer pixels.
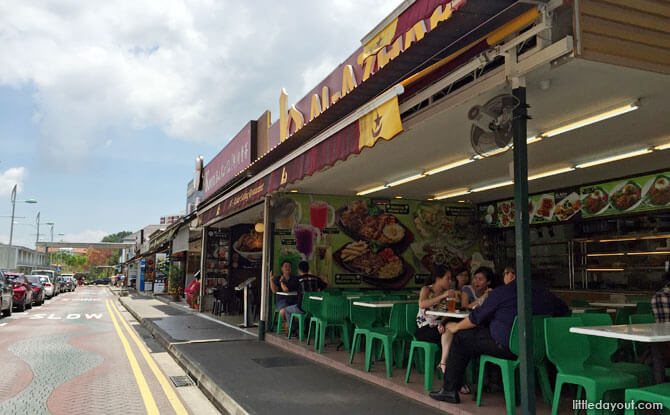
[
  {"x": 181, "y": 381},
  {"x": 269, "y": 362}
]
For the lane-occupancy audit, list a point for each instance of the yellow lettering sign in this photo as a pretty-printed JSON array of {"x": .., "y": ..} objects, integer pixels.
[
  {"x": 439, "y": 15},
  {"x": 387, "y": 55},
  {"x": 348, "y": 80},
  {"x": 284, "y": 176},
  {"x": 315, "y": 109},
  {"x": 369, "y": 66},
  {"x": 415, "y": 34},
  {"x": 283, "y": 115},
  {"x": 325, "y": 98},
  {"x": 335, "y": 98},
  {"x": 296, "y": 117}
]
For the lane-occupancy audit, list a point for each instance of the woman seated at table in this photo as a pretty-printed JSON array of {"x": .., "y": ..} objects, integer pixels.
[
  {"x": 472, "y": 296},
  {"x": 284, "y": 283},
  {"x": 433, "y": 298}
]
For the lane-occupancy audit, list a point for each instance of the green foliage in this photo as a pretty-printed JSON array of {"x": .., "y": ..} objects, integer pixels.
[
  {"x": 175, "y": 280},
  {"x": 116, "y": 237}
]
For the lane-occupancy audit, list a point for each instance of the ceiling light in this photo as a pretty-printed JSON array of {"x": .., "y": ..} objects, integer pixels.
[
  {"x": 461, "y": 201},
  {"x": 496, "y": 151},
  {"x": 405, "y": 180},
  {"x": 430, "y": 198},
  {"x": 614, "y": 254},
  {"x": 374, "y": 189},
  {"x": 293, "y": 191},
  {"x": 449, "y": 166},
  {"x": 662, "y": 147},
  {"x": 533, "y": 139},
  {"x": 453, "y": 193},
  {"x": 614, "y": 158},
  {"x": 604, "y": 269},
  {"x": 398, "y": 197},
  {"x": 550, "y": 173},
  {"x": 591, "y": 120},
  {"x": 650, "y": 253},
  {"x": 493, "y": 186}
]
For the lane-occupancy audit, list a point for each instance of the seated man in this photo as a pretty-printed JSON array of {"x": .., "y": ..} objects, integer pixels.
[
  {"x": 487, "y": 331},
  {"x": 306, "y": 283},
  {"x": 284, "y": 283},
  {"x": 660, "y": 308}
]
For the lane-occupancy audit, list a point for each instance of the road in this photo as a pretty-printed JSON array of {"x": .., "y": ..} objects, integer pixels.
[{"x": 82, "y": 353}]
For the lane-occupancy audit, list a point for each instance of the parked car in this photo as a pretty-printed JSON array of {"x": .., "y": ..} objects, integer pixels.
[
  {"x": 23, "y": 291},
  {"x": 70, "y": 283},
  {"x": 39, "y": 290},
  {"x": 6, "y": 295},
  {"x": 103, "y": 281},
  {"x": 51, "y": 286}
]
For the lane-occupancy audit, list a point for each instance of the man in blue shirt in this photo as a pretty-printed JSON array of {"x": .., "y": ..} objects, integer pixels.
[{"x": 487, "y": 330}]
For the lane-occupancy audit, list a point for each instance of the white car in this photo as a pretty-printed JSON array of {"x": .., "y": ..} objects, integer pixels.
[{"x": 49, "y": 284}]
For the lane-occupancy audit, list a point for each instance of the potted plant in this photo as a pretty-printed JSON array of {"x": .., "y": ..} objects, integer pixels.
[{"x": 175, "y": 287}]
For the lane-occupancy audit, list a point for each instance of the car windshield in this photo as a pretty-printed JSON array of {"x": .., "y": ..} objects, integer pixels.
[
  {"x": 47, "y": 273},
  {"x": 37, "y": 280}
]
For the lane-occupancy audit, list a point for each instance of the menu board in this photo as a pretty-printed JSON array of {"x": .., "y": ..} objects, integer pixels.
[
  {"x": 217, "y": 256},
  {"x": 365, "y": 242},
  {"x": 636, "y": 194}
]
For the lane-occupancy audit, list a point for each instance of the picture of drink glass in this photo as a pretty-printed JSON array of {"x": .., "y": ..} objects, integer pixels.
[
  {"x": 451, "y": 304},
  {"x": 318, "y": 214},
  {"x": 304, "y": 240},
  {"x": 286, "y": 213}
]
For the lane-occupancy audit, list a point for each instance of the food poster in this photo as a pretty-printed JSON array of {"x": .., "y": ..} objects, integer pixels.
[
  {"x": 217, "y": 256},
  {"x": 364, "y": 242},
  {"x": 247, "y": 247},
  {"x": 636, "y": 194},
  {"x": 542, "y": 208}
]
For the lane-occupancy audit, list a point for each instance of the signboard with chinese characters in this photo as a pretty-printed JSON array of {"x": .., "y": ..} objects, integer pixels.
[{"x": 235, "y": 157}]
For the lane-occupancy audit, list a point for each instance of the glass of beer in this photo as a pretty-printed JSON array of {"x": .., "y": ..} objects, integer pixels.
[{"x": 451, "y": 304}]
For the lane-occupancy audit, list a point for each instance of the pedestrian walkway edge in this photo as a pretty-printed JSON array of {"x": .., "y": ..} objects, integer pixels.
[{"x": 214, "y": 393}]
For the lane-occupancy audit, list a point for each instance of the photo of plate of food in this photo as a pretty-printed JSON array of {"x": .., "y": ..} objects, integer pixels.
[
  {"x": 506, "y": 213},
  {"x": 532, "y": 207},
  {"x": 545, "y": 207},
  {"x": 359, "y": 222},
  {"x": 626, "y": 196},
  {"x": 384, "y": 266},
  {"x": 250, "y": 246},
  {"x": 430, "y": 255},
  {"x": 491, "y": 216},
  {"x": 657, "y": 191},
  {"x": 595, "y": 202},
  {"x": 568, "y": 207}
]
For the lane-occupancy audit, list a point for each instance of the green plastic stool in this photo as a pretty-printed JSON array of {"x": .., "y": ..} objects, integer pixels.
[
  {"x": 656, "y": 394},
  {"x": 639, "y": 348},
  {"x": 363, "y": 318},
  {"x": 305, "y": 306}
]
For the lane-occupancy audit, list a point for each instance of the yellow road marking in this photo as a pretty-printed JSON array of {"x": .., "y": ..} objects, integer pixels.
[
  {"x": 147, "y": 397},
  {"x": 167, "y": 388}
]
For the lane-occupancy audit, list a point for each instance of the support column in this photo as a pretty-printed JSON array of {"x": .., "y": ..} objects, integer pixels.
[
  {"x": 203, "y": 248},
  {"x": 522, "y": 244},
  {"x": 265, "y": 268}
]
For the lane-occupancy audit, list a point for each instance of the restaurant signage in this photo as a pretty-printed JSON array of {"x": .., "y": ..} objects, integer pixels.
[
  {"x": 382, "y": 123},
  {"x": 395, "y": 38},
  {"x": 235, "y": 157}
]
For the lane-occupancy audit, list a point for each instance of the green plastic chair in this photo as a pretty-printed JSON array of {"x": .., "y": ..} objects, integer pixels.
[
  {"x": 638, "y": 347},
  {"x": 626, "y": 346},
  {"x": 508, "y": 367},
  {"x": 569, "y": 352},
  {"x": 389, "y": 337},
  {"x": 578, "y": 303},
  {"x": 643, "y": 308},
  {"x": 334, "y": 313},
  {"x": 656, "y": 394},
  {"x": 314, "y": 321},
  {"x": 429, "y": 349},
  {"x": 305, "y": 306},
  {"x": 363, "y": 318},
  {"x": 602, "y": 349}
]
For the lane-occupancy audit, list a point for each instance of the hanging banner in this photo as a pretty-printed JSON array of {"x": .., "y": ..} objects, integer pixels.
[{"x": 382, "y": 122}]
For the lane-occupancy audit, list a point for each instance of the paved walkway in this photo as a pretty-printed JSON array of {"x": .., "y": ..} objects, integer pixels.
[{"x": 245, "y": 376}]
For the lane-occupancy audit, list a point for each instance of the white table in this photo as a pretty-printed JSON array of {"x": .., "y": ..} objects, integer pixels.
[
  {"x": 382, "y": 304},
  {"x": 319, "y": 298},
  {"x": 613, "y": 305},
  {"x": 582, "y": 310},
  {"x": 455, "y": 314},
  {"x": 647, "y": 333},
  {"x": 287, "y": 293}
]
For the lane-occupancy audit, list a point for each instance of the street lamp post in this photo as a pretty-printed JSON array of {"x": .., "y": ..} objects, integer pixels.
[
  {"x": 51, "y": 224},
  {"x": 60, "y": 253},
  {"x": 38, "y": 230},
  {"x": 13, "y": 198}
]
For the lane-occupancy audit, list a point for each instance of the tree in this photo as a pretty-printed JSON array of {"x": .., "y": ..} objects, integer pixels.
[{"x": 116, "y": 237}]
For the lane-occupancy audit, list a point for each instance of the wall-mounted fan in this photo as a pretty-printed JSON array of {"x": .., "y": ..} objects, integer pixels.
[{"x": 492, "y": 124}]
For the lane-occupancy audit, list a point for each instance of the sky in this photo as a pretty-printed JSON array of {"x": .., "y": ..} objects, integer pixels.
[{"x": 104, "y": 105}]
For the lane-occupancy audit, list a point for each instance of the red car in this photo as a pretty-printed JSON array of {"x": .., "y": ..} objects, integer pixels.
[{"x": 23, "y": 291}]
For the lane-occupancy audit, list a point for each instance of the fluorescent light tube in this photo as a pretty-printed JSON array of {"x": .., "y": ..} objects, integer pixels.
[
  {"x": 453, "y": 193},
  {"x": 604, "y": 269},
  {"x": 591, "y": 120},
  {"x": 550, "y": 173},
  {"x": 662, "y": 147},
  {"x": 615, "y": 254},
  {"x": 613, "y": 158},
  {"x": 405, "y": 180},
  {"x": 533, "y": 139},
  {"x": 492, "y": 186},
  {"x": 449, "y": 166},
  {"x": 372, "y": 190}
]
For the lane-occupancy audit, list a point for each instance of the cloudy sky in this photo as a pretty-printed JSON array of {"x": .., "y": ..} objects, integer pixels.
[{"x": 105, "y": 104}]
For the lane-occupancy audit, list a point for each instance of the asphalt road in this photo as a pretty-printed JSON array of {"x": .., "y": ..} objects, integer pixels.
[{"x": 78, "y": 354}]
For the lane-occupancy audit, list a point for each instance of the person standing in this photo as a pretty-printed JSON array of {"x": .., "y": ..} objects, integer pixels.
[{"x": 660, "y": 308}]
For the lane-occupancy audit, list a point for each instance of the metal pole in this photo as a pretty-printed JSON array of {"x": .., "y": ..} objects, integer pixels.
[
  {"x": 203, "y": 250},
  {"x": 265, "y": 267},
  {"x": 11, "y": 224},
  {"x": 522, "y": 231},
  {"x": 38, "y": 230}
]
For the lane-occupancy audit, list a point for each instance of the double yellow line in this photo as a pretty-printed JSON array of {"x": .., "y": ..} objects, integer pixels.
[{"x": 147, "y": 397}]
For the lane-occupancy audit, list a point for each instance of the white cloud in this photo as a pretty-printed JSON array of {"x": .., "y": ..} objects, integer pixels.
[
  {"x": 84, "y": 236},
  {"x": 195, "y": 69},
  {"x": 11, "y": 177}
]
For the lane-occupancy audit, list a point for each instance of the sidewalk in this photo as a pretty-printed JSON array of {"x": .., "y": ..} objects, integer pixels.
[{"x": 244, "y": 376}]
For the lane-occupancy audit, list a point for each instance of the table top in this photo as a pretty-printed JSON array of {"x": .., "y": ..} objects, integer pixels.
[
  {"x": 648, "y": 333},
  {"x": 382, "y": 304},
  {"x": 455, "y": 314},
  {"x": 613, "y": 305},
  {"x": 287, "y": 293},
  {"x": 582, "y": 310}
]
